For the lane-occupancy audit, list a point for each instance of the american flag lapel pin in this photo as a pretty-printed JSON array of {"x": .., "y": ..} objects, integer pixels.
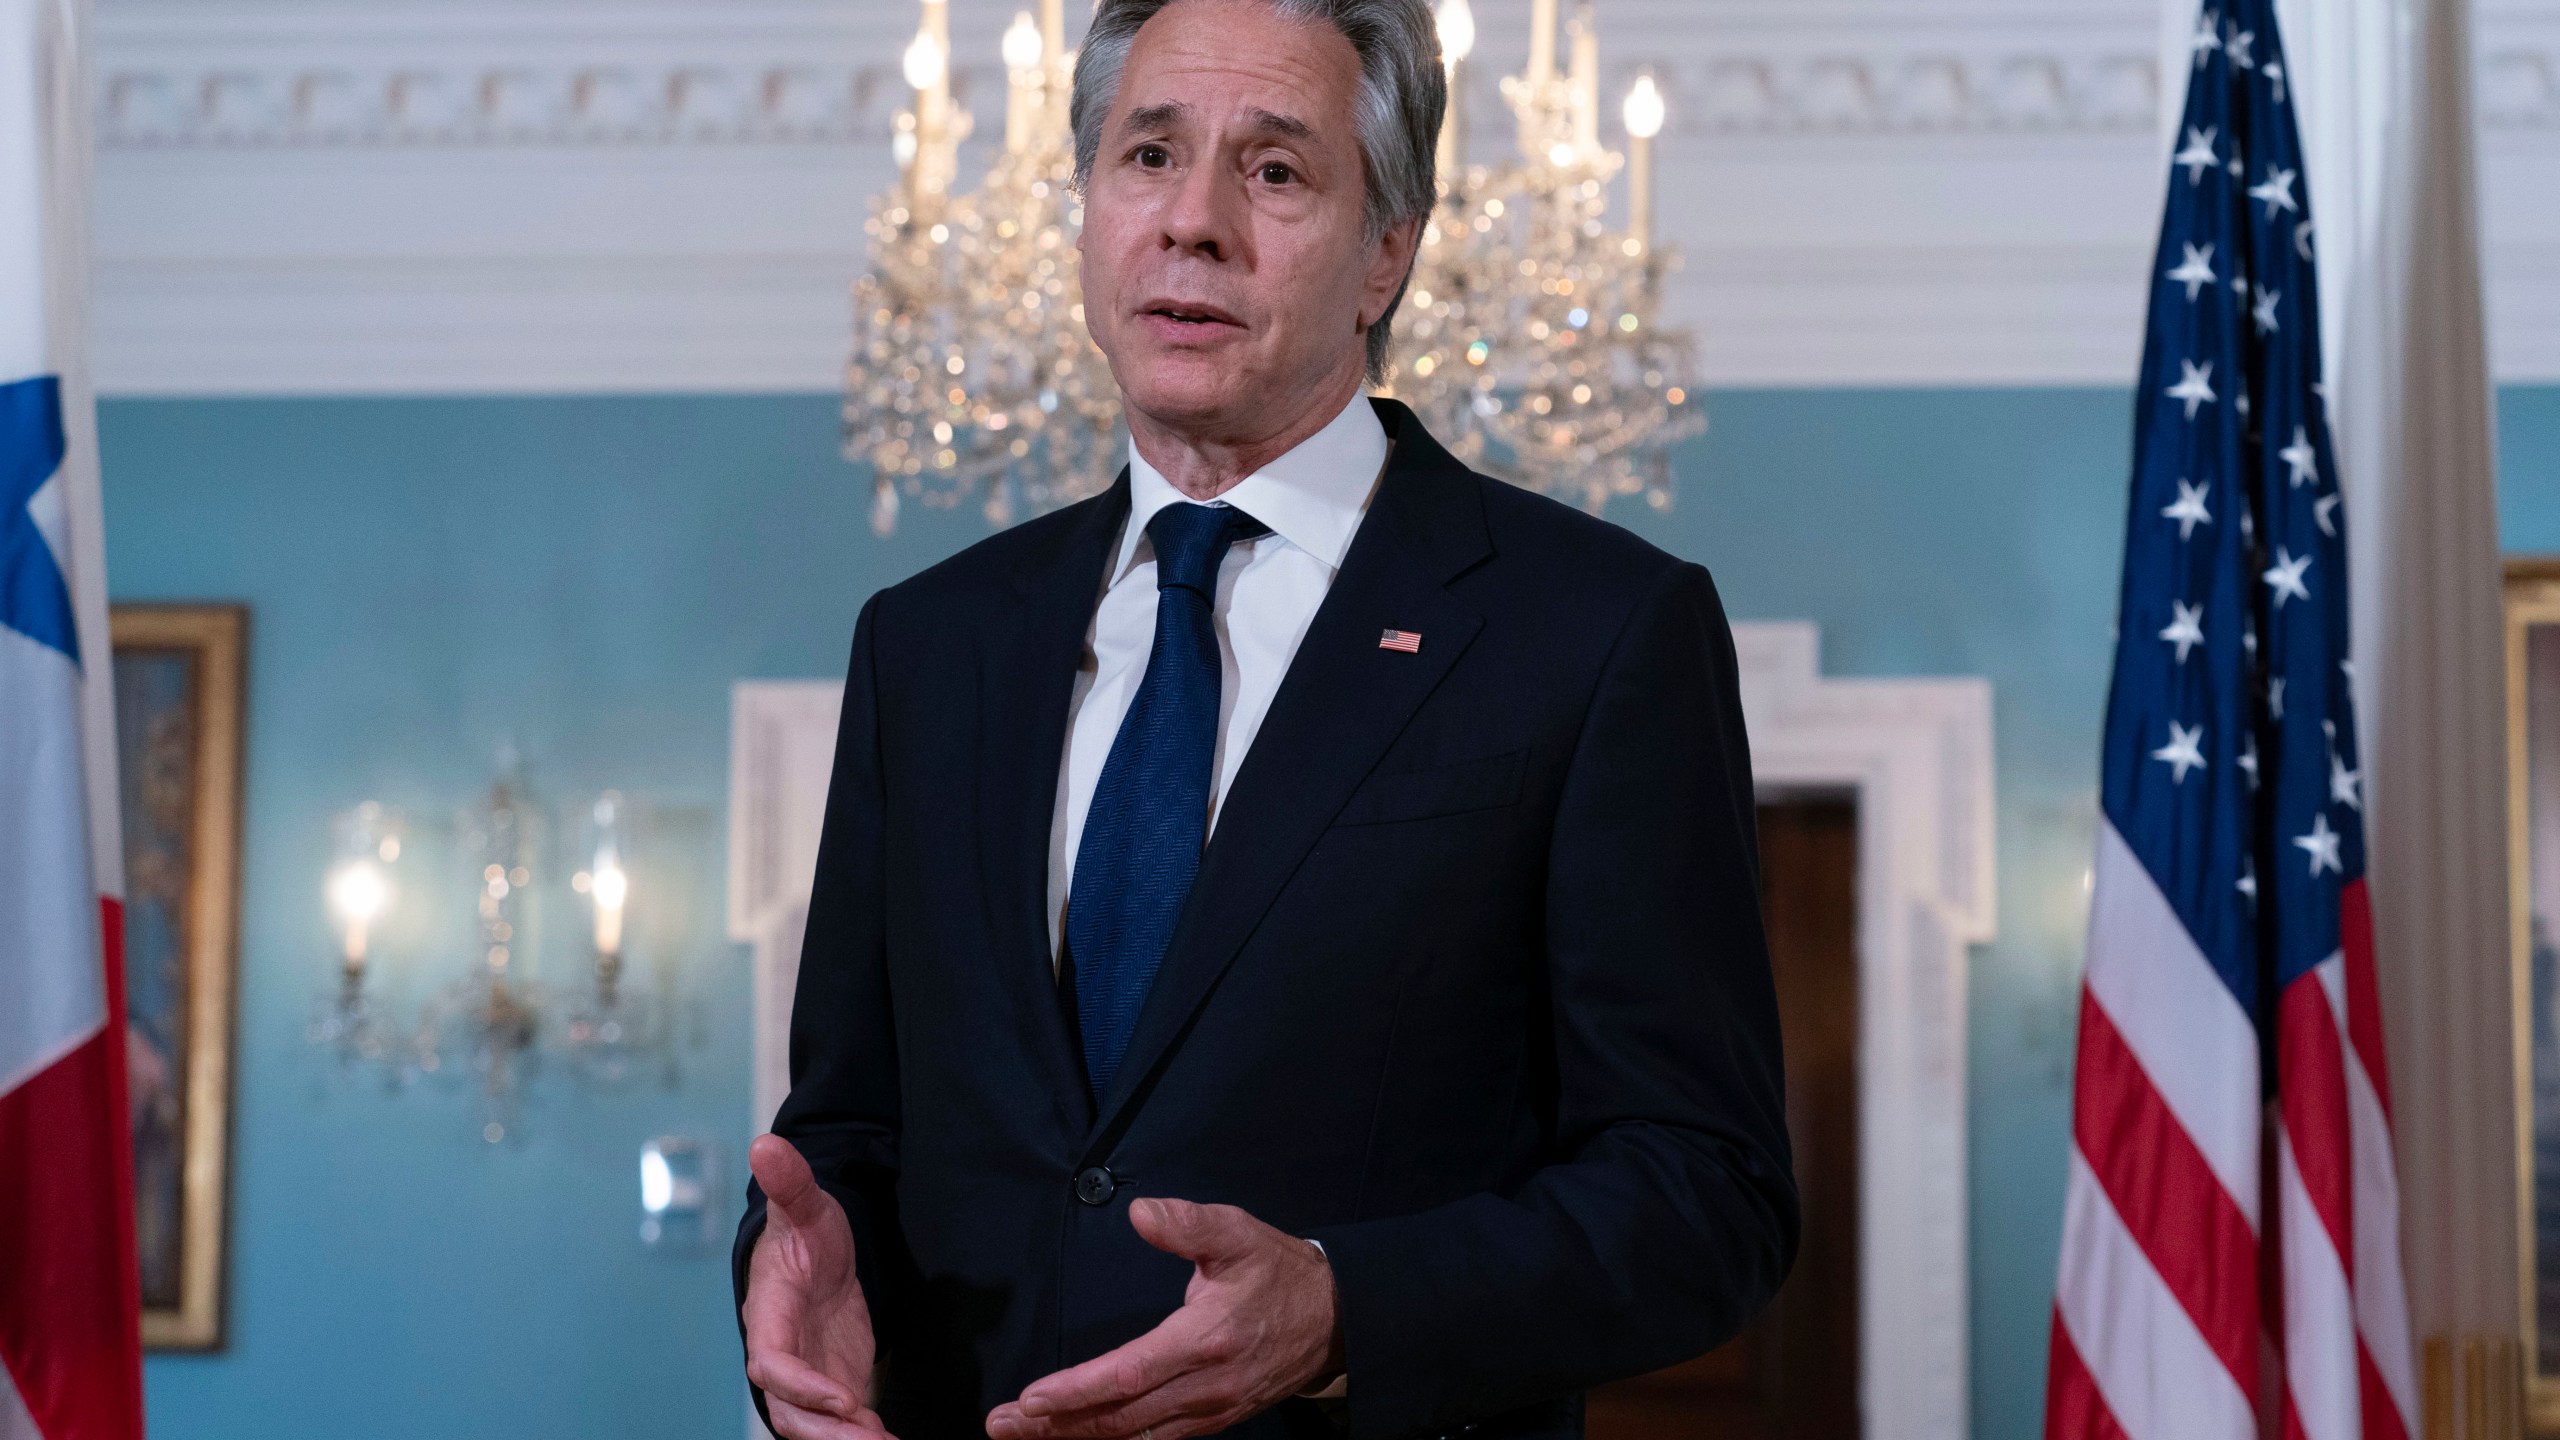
[{"x": 1404, "y": 640}]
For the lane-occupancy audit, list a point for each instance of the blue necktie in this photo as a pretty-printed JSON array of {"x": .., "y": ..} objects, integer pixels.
[{"x": 1150, "y": 810}]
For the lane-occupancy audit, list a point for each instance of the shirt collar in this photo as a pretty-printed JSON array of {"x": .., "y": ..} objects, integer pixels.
[{"x": 1313, "y": 496}]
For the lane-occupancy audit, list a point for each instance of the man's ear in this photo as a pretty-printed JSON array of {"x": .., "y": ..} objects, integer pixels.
[{"x": 1389, "y": 267}]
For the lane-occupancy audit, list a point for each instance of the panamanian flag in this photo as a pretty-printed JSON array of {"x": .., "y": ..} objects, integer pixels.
[{"x": 70, "y": 1344}]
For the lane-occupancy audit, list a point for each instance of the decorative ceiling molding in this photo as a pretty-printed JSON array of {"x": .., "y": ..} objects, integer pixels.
[
  {"x": 681, "y": 102},
  {"x": 493, "y": 105},
  {"x": 1917, "y": 93},
  {"x": 500, "y": 103},
  {"x": 557, "y": 195},
  {"x": 290, "y": 72}
]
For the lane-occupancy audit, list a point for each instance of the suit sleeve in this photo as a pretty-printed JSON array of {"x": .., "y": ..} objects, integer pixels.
[
  {"x": 1667, "y": 1215},
  {"x": 842, "y": 1112}
]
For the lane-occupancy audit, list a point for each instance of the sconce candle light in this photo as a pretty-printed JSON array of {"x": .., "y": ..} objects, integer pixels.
[
  {"x": 358, "y": 889},
  {"x": 612, "y": 1028}
]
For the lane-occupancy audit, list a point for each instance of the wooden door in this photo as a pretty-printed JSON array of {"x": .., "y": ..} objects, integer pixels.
[{"x": 1794, "y": 1375}]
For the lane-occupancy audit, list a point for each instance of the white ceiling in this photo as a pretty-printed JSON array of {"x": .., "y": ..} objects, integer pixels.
[{"x": 318, "y": 196}]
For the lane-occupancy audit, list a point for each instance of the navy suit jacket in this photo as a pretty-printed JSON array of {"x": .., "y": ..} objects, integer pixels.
[{"x": 1471, "y": 988}]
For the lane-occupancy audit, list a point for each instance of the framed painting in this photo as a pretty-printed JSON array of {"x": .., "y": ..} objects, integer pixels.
[{"x": 179, "y": 698}]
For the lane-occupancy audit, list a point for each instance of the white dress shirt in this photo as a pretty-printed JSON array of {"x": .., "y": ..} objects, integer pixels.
[{"x": 1313, "y": 498}]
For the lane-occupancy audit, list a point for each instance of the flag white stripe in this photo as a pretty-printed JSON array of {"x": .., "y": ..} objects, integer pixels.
[
  {"x": 15, "y": 1422},
  {"x": 52, "y": 988},
  {"x": 2143, "y": 1351},
  {"x": 2382, "y": 1303},
  {"x": 2381, "y": 1299},
  {"x": 2194, "y": 1041},
  {"x": 2319, "y": 1324}
]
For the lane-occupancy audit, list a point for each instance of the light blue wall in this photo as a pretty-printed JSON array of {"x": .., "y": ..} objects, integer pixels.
[
  {"x": 428, "y": 580},
  {"x": 586, "y": 576},
  {"x": 2529, "y": 469}
]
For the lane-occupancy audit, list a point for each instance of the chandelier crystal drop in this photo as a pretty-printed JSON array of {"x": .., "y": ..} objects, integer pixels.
[
  {"x": 1530, "y": 339},
  {"x": 1535, "y": 346},
  {"x": 972, "y": 377}
]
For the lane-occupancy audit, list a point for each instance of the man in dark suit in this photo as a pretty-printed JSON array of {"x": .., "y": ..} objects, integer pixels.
[{"x": 1285, "y": 955}]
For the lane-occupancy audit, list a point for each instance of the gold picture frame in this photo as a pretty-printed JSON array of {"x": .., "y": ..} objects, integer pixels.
[{"x": 180, "y": 693}]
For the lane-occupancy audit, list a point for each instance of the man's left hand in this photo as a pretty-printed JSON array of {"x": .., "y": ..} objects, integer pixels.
[{"x": 1257, "y": 1326}]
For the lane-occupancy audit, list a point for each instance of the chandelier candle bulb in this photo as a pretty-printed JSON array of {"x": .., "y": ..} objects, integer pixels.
[
  {"x": 1058, "y": 74},
  {"x": 1450, "y": 153},
  {"x": 1022, "y": 51},
  {"x": 927, "y": 66},
  {"x": 1586, "y": 80},
  {"x": 937, "y": 23},
  {"x": 1457, "y": 26},
  {"x": 1542, "y": 41},
  {"x": 1644, "y": 116}
]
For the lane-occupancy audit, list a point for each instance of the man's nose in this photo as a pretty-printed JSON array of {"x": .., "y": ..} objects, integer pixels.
[{"x": 1206, "y": 214}]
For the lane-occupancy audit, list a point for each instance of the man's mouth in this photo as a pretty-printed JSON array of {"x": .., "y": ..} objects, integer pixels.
[{"x": 1195, "y": 315}]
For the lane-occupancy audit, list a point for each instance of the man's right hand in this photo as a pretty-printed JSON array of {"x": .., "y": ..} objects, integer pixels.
[{"x": 808, "y": 1331}]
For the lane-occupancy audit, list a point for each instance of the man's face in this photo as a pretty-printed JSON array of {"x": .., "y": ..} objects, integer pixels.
[{"x": 1226, "y": 272}]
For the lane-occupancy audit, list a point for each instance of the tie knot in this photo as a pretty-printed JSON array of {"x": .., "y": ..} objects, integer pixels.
[{"x": 1191, "y": 539}]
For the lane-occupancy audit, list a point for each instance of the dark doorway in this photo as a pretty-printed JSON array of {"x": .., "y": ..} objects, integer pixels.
[{"x": 1794, "y": 1375}]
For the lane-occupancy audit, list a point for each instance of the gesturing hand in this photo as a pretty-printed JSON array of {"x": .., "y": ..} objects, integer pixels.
[
  {"x": 808, "y": 1330},
  {"x": 1256, "y": 1327}
]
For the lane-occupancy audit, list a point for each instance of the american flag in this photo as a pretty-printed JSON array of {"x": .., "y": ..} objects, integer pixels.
[
  {"x": 1404, "y": 640},
  {"x": 2231, "y": 1247}
]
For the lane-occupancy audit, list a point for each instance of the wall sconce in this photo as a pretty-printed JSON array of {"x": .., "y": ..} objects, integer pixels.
[{"x": 493, "y": 1022}]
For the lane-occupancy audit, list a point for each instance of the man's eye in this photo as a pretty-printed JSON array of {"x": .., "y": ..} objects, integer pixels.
[
  {"x": 1276, "y": 173},
  {"x": 1154, "y": 157}
]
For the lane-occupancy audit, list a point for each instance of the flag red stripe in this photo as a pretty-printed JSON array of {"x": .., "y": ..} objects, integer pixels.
[
  {"x": 2311, "y": 1084},
  {"x": 2189, "y": 1227},
  {"x": 2292, "y": 1421},
  {"x": 2381, "y": 1412},
  {"x": 2364, "y": 994},
  {"x": 70, "y": 1297},
  {"x": 2073, "y": 1408}
]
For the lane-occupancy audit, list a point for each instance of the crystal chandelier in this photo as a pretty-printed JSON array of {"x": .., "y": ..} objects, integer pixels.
[
  {"x": 1530, "y": 340},
  {"x": 1536, "y": 349},
  {"x": 972, "y": 377},
  {"x": 491, "y": 1022}
]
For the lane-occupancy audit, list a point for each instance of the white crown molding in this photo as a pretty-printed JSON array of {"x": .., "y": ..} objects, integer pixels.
[
  {"x": 244, "y": 73},
  {"x": 318, "y": 196}
]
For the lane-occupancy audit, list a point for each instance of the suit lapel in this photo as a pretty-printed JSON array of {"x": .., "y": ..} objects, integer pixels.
[
  {"x": 1342, "y": 703},
  {"x": 1027, "y": 679}
]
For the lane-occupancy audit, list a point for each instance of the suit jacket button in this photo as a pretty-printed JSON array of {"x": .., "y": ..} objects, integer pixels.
[{"x": 1094, "y": 1186}]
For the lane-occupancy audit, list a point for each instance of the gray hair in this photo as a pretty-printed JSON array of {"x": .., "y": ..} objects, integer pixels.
[{"x": 1403, "y": 94}]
